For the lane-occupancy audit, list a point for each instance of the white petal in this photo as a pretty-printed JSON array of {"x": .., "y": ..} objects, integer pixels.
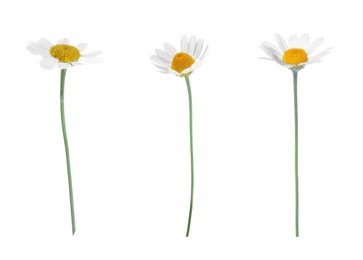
[
  {"x": 198, "y": 49},
  {"x": 82, "y": 46},
  {"x": 304, "y": 41},
  {"x": 312, "y": 62},
  {"x": 44, "y": 44},
  {"x": 164, "y": 71},
  {"x": 304, "y": 63},
  {"x": 270, "y": 48},
  {"x": 76, "y": 63},
  {"x": 293, "y": 41},
  {"x": 195, "y": 66},
  {"x": 281, "y": 42},
  {"x": 33, "y": 48},
  {"x": 192, "y": 42},
  {"x": 63, "y": 41},
  {"x": 264, "y": 58},
  {"x": 184, "y": 44},
  {"x": 162, "y": 54},
  {"x": 167, "y": 54},
  {"x": 202, "y": 57},
  {"x": 290, "y": 66},
  {"x": 91, "y": 54},
  {"x": 170, "y": 50},
  {"x": 275, "y": 58},
  {"x": 48, "y": 63},
  {"x": 90, "y": 60},
  {"x": 267, "y": 50},
  {"x": 44, "y": 54},
  {"x": 319, "y": 55},
  {"x": 159, "y": 61},
  {"x": 62, "y": 65},
  {"x": 161, "y": 67},
  {"x": 314, "y": 45},
  {"x": 187, "y": 71},
  {"x": 174, "y": 72}
]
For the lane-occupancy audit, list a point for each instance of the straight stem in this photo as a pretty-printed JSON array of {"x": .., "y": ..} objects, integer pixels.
[
  {"x": 296, "y": 155},
  {"x": 191, "y": 152},
  {"x": 63, "y": 76}
]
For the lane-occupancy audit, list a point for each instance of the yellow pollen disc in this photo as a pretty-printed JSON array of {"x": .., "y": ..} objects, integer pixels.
[
  {"x": 65, "y": 53},
  {"x": 182, "y": 61},
  {"x": 295, "y": 56}
]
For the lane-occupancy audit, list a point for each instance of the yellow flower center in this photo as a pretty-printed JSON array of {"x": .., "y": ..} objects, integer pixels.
[
  {"x": 65, "y": 53},
  {"x": 295, "y": 56},
  {"x": 182, "y": 61}
]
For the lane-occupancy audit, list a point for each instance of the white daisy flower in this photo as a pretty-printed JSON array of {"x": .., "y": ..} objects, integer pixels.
[
  {"x": 62, "y": 54},
  {"x": 296, "y": 54},
  {"x": 180, "y": 63}
]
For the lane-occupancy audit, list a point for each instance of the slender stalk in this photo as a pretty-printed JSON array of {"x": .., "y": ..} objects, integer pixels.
[
  {"x": 296, "y": 155},
  {"x": 191, "y": 152},
  {"x": 63, "y": 76}
]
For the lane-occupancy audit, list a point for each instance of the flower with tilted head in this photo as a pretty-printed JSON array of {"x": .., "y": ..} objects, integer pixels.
[
  {"x": 62, "y": 54},
  {"x": 180, "y": 63},
  {"x": 294, "y": 55}
]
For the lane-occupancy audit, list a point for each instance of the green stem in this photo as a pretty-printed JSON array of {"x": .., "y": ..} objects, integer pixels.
[
  {"x": 63, "y": 76},
  {"x": 296, "y": 155},
  {"x": 191, "y": 152}
]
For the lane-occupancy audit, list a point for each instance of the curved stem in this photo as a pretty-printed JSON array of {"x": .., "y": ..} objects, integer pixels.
[
  {"x": 63, "y": 76},
  {"x": 296, "y": 155},
  {"x": 191, "y": 153}
]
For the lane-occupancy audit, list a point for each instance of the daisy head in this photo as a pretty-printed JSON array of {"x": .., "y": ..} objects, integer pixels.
[
  {"x": 182, "y": 63},
  {"x": 63, "y": 55},
  {"x": 296, "y": 54}
]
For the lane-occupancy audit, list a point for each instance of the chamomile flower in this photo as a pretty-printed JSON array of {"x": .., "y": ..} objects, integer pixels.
[
  {"x": 182, "y": 63},
  {"x": 62, "y": 54},
  {"x": 296, "y": 54}
]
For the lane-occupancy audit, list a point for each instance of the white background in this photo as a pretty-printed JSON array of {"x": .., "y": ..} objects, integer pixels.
[{"x": 129, "y": 141}]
